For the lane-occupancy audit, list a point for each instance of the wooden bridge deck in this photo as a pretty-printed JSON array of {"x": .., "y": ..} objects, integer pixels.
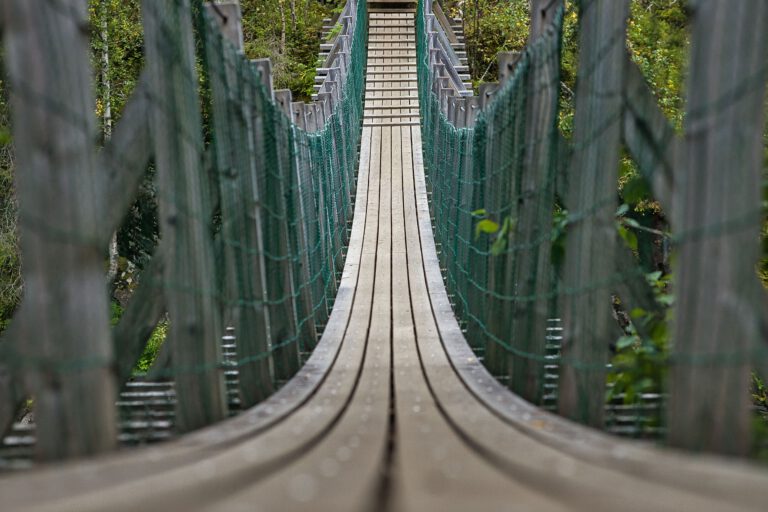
[{"x": 392, "y": 411}]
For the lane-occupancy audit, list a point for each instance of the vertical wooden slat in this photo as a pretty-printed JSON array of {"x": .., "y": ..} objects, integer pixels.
[
  {"x": 717, "y": 219},
  {"x": 592, "y": 205},
  {"x": 532, "y": 270},
  {"x": 190, "y": 286},
  {"x": 65, "y": 322},
  {"x": 274, "y": 177},
  {"x": 228, "y": 16},
  {"x": 232, "y": 85}
]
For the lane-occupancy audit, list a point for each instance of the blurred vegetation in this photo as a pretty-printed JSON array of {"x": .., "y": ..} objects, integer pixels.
[
  {"x": 287, "y": 32},
  {"x": 10, "y": 265}
]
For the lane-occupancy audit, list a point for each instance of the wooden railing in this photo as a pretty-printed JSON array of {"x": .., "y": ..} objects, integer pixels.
[
  {"x": 500, "y": 155},
  {"x": 254, "y": 194}
]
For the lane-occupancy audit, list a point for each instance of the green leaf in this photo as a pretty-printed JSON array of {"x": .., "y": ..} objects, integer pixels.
[
  {"x": 5, "y": 136},
  {"x": 654, "y": 276},
  {"x": 629, "y": 237},
  {"x": 486, "y": 226},
  {"x": 625, "y": 341},
  {"x": 480, "y": 213},
  {"x": 623, "y": 209}
]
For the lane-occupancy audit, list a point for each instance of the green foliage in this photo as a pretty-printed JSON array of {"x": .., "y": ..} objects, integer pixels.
[
  {"x": 116, "y": 28},
  {"x": 639, "y": 363},
  {"x": 10, "y": 263},
  {"x": 501, "y": 233},
  {"x": 152, "y": 349},
  {"x": 286, "y": 31},
  {"x": 491, "y": 26},
  {"x": 760, "y": 393},
  {"x": 115, "y": 313},
  {"x": 658, "y": 42},
  {"x": 760, "y": 422}
]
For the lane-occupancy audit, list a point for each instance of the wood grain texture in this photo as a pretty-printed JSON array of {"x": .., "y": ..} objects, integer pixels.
[
  {"x": 592, "y": 206},
  {"x": 190, "y": 285},
  {"x": 717, "y": 220},
  {"x": 531, "y": 272},
  {"x": 67, "y": 357},
  {"x": 233, "y": 109}
]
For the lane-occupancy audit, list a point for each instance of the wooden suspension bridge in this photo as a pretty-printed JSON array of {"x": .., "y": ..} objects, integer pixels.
[{"x": 390, "y": 409}]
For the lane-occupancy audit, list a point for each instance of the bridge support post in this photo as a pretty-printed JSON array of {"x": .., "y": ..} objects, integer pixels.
[
  {"x": 591, "y": 203},
  {"x": 531, "y": 272},
  {"x": 67, "y": 356},
  {"x": 190, "y": 285},
  {"x": 717, "y": 212},
  {"x": 273, "y": 176},
  {"x": 232, "y": 90}
]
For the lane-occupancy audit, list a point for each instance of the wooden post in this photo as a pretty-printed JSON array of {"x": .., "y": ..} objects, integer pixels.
[
  {"x": 64, "y": 321},
  {"x": 592, "y": 203},
  {"x": 273, "y": 174},
  {"x": 530, "y": 274},
  {"x": 283, "y": 98},
  {"x": 264, "y": 69},
  {"x": 190, "y": 284},
  {"x": 717, "y": 205},
  {"x": 298, "y": 115},
  {"x": 12, "y": 393},
  {"x": 507, "y": 64},
  {"x": 229, "y": 17},
  {"x": 232, "y": 83}
]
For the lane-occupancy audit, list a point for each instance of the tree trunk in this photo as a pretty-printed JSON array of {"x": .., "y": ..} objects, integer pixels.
[{"x": 283, "y": 27}]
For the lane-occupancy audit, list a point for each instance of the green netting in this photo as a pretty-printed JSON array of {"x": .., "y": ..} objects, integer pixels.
[
  {"x": 299, "y": 185},
  {"x": 475, "y": 178},
  {"x": 254, "y": 211},
  {"x": 499, "y": 192}
]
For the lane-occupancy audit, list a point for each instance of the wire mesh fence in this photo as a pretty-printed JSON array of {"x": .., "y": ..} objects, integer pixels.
[
  {"x": 533, "y": 235},
  {"x": 253, "y": 210}
]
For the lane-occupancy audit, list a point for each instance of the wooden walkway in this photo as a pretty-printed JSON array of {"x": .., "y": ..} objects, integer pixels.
[{"x": 392, "y": 411}]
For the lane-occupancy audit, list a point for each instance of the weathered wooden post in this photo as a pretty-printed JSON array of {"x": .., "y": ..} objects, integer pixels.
[
  {"x": 67, "y": 355},
  {"x": 232, "y": 85},
  {"x": 592, "y": 204},
  {"x": 229, "y": 18},
  {"x": 190, "y": 284},
  {"x": 530, "y": 275},
  {"x": 273, "y": 178},
  {"x": 717, "y": 219}
]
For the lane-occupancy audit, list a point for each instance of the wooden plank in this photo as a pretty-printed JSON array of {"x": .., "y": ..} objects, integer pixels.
[
  {"x": 190, "y": 286},
  {"x": 248, "y": 447},
  {"x": 419, "y": 466},
  {"x": 717, "y": 221},
  {"x": 426, "y": 384},
  {"x": 531, "y": 274},
  {"x": 605, "y": 473},
  {"x": 273, "y": 172},
  {"x": 124, "y": 159},
  {"x": 65, "y": 324},
  {"x": 649, "y": 136},
  {"x": 232, "y": 82},
  {"x": 366, "y": 416},
  {"x": 228, "y": 17},
  {"x": 144, "y": 311},
  {"x": 592, "y": 204}
]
